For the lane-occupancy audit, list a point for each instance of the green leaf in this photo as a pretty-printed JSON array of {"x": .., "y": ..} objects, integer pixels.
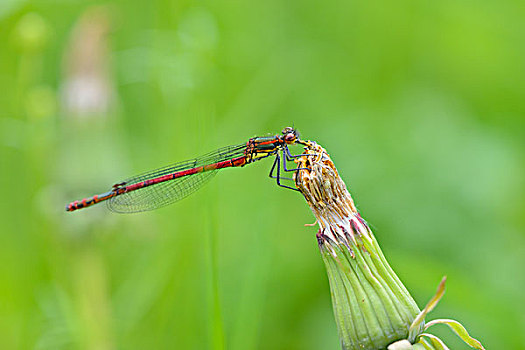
[
  {"x": 421, "y": 346},
  {"x": 459, "y": 330},
  {"x": 437, "y": 343},
  {"x": 415, "y": 326}
]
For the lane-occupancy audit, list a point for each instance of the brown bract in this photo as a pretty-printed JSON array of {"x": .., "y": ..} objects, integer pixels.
[{"x": 328, "y": 197}]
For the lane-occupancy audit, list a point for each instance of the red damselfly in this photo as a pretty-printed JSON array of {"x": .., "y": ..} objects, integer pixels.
[{"x": 170, "y": 184}]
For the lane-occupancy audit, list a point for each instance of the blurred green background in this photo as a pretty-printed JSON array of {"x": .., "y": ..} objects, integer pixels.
[{"x": 420, "y": 104}]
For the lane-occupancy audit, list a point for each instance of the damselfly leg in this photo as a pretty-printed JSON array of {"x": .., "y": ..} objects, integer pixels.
[
  {"x": 277, "y": 166},
  {"x": 290, "y": 157}
]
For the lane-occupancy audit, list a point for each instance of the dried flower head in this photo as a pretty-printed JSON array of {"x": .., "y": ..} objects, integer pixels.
[{"x": 373, "y": 309}]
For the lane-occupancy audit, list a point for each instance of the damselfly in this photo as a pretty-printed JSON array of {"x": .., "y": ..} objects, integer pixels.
[{"x": 170, "y": 184}]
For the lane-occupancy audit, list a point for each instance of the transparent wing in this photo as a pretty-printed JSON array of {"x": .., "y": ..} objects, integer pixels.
[{"x": 164, "y": 193}]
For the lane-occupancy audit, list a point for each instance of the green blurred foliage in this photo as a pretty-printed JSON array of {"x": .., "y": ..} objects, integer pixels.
[{"x": 421, "y": 105}]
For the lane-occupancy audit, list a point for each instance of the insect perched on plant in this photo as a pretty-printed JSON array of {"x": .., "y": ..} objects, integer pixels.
[{"x": 170, "y": 184}]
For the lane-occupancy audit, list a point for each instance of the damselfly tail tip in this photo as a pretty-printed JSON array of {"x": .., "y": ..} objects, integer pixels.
[{"x": 71, "y": 206}]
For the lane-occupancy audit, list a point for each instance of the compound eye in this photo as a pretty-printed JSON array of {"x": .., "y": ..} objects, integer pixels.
[
  {"x": 290, "y": 137},
  {"x": 287, "y": 130}
]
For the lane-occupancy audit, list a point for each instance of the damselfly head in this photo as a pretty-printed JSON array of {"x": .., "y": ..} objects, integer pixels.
[{"x": 290, "y": 135}]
